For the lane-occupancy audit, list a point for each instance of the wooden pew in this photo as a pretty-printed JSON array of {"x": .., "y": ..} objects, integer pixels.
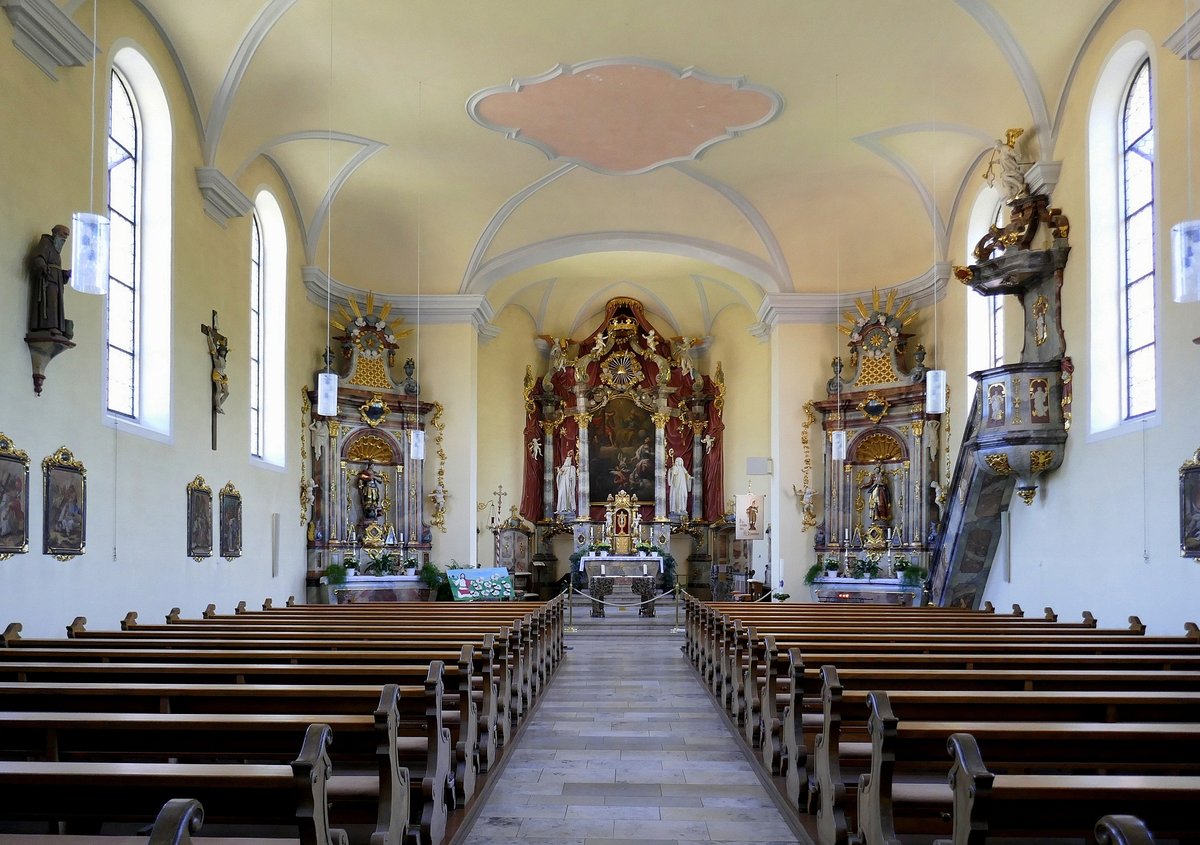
[
  {"x": 421, "y": 743},
  {"x": 163, "y": 671},
  {"x": 175, "y": 823},
  {"x": 1122, "y": 830},
  {"x": 992, "y": 807},
  {"x": 487, "y": 674},
  {"x": 246, "y": 795},
  {"x": 843, "y": 748},
  {"x": 906, "y": 789}
]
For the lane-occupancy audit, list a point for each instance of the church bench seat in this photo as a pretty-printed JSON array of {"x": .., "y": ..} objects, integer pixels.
[
  {"x": 800, "y": 703},
  {"x": 175, "y": 823},
  {"x": 250, "y": 796},
  {"x": 458, "y": 714},
  {"x": 423, "y": 749},
  {"x": 842, "y": 751},
  {"x": 990, "y": 807},
  {"x": 366, "y": 787}
]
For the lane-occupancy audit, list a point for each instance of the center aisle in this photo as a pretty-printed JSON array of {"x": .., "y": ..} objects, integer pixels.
[{"x": 627, "y": 746}]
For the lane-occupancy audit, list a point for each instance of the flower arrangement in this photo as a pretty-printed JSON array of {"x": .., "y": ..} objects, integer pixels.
[
  {"x": 645, "y": 548},
  {"x": 602, "y": 546}
]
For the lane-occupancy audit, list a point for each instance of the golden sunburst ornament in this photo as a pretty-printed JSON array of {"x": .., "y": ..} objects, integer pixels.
[
  {"x": 621, "y": 370},
  {"x": 368, "y": 331}
]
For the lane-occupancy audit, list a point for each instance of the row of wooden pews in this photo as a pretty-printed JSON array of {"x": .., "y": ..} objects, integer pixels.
[
  {"x": 887, "y": 726},
  {"x": 367, "y": 723}
]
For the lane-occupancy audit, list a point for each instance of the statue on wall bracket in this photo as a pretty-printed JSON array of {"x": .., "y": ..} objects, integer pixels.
[{"x": 50, "y": 332}]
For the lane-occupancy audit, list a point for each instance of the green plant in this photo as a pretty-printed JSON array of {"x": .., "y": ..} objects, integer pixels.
[
  {"x": 431, "y": 574},
  {"x": 912, "y": 575},
  {"x": 781, "y": 596},
  {"x": 382, "y": 564},
  {"x": 864, "y": 568},
  {"x": 814, "y": 572},
  {"x": 335, "y": 574}
]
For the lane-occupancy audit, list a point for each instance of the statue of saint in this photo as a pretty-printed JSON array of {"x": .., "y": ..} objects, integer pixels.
[
  {"x": 679, "y": 480},
  {"x": 879, "y": 497},
  {"x": 49, "y": 281},
  {"x": 1004, "y": 158},
  {"x": 368, "y": 492},
  {"x": 565, "y": 477},
  {"x": 410, "y": 385}
]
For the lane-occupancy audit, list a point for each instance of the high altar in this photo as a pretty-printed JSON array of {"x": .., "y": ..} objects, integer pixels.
[{"x": 623, "y": 411}]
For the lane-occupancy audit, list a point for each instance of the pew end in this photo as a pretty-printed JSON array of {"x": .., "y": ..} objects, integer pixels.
[
  {"x": 12, "y": 633},
  {"x": 130, "y": 621},
  {"x": 177, "y": 821},
  {"x": 1122, "y": 830}
]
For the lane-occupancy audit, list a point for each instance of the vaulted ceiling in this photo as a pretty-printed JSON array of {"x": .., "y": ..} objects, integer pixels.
[{"x": 528, "y": 149}]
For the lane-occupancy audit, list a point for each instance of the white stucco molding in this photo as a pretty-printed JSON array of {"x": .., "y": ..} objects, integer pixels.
[
  {"x": 222, "y": 198},
  {"x": 428, "y": 309},
  {"x": 827, "y": 308},
  {"x": 1185, "y": 41},
  {"x": 1042, "y": 177},
  {"x": 47, "y": 35}
]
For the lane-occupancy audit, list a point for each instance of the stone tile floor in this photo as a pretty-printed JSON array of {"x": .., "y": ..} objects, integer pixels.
[{"x": 627, "y": 747}]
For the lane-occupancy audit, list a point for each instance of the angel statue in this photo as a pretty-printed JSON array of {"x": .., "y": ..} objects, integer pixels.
[{"x": 1004, "y": 158}]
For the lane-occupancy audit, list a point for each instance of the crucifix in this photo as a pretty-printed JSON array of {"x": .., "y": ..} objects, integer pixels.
[
  {"x": 218, "y": 350},
  {"x": 500, "y": 496}
]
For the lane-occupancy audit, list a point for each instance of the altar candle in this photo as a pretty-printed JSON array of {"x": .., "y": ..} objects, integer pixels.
[{"x": 847, "y": 536}]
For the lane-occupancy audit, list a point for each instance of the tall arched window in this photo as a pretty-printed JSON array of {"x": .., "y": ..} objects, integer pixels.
[
  {"x": 268, "y": 329},
  {"x": 1122, "y": 242},
  {"x": 257, "y": 289},
  {"x": 985, "y": 314},
  {"x": 1138, "y": 246},
  {"x": 137, "y": 336}
]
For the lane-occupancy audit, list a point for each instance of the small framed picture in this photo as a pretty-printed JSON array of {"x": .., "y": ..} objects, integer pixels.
[
  {"x": 14, "y": 500},
  {"x": 1189, "y": 507},
  {"x": 230, "y": 508},
  {"x": 199, "y": 519},
  {"x": 64, "y": 503}
]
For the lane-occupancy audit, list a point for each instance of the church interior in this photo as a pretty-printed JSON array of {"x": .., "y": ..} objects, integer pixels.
[
  {"x": 747, "y": 180},
  {"x": 814, "y": 303}
]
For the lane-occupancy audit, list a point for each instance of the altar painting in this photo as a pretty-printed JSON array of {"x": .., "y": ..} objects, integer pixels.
[{"x": 621, "y": 452}]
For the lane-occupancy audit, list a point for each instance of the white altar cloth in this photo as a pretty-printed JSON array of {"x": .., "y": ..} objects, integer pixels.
[{"x": 594, "y": 564}]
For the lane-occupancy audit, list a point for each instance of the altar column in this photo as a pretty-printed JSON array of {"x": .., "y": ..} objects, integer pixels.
[
  {"x": 697, "y": 470},
  {"x": 583, "y": 507},
  {"x": 548, "y": 465},
  {"x": 660, "y": 465}
]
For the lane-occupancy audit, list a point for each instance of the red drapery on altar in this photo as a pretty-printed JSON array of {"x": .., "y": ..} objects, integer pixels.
[{"x": 531, "y": 490}]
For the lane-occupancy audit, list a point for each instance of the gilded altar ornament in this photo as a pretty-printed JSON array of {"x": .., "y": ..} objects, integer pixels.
[
  {"x": 964, "y": 274},
  {"x": 999, "y": 463},
  {"x": 874, "y": 407},
  {"x": 374, "y": 411},
  {"x": 1040, "y": 331},
  {"x": 370, "y": 340},
  {"x": 1016, "y": 400},
  {"x": 1040, "y": 460},
  {"x": 660, "y": 418},
  {"x": 621, "y": 371},
  {"x": 370, "y": 448},
  {"x": 719, "y": 383},
  {"x": 876, "y": 447},
  {"x": 438, "y": 441},
  {"x": 1027, "y": 494},
  {"x": 14, "y": 499},
  {"x": 918, "y": 428}
]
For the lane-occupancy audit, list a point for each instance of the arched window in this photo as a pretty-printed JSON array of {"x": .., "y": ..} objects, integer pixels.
[
  {"x": 1123, "y": 242},
  {"x": 137, "y": 336},
  {"x": 257, "y": 289},
  {"x": 268, "y": 328},
  {"x": 1138, "y": 245}
]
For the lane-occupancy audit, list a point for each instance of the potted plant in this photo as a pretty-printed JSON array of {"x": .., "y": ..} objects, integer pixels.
[
  {"x": 382, "y": 564},
  {"x": 432, "y": 576},
  {"x": 644, "y": 549},
  {"x": 410, "y": 566},
  {"x": 335, "y": 574},
  {"x": 602, "y": 548}
]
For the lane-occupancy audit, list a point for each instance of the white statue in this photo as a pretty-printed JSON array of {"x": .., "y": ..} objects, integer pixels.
[
  {"x": 535, "y": 449},
  {"x": 651, "y": 340},
  {"x": 601, "y": 340},
  {"x": 708, "y": 440},
  {"x": 938, "y": 495},
  {"x": 679, "y": 480},
  {"x": 1004, "y": 158},
  {"x": 565, "y": 476},
  {"x": 318, "y": 433},
  {"x": 684, "y": 355},
  {"x": 308, "y": 495}
]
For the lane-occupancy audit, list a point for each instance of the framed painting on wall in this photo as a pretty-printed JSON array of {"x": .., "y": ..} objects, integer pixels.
[
  {"x": 14, "y": 500},
  {"x": 64, "y": 505},
  {"x": 199, "y": 519},
  {"x": 230, "y": 508},
  {"x": 1189, "y": 507}
]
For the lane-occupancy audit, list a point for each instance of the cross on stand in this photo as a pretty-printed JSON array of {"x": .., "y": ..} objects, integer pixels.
[
  {"x": 497, "y": 522},
  {"x": 218, "y": 350}
]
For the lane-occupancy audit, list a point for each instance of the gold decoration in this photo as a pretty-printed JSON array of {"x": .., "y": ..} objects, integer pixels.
[
  {"x": 859, "y": 503},
  {"x": 1040, "y": 306},
  {"x": 719, "y": 382},
  {"x": 1040, "y": 460},
  {"x": 1191, "y": 463},
  {"x": 621, "y": 371},
  {"x": 374, "y": 412},
  {"x": 1027, "y": 494},
  {"x": 370, "y": 372},
  {"x": 877, "y": 446},
  {"x": 1015, "y": 419},
  {"x": 877, "y": 371},
  {"x": 550, "y": 426},
  {"x": 697, "y": 426},
  {"x": 874, "y": 407},
  {"x": 583, "y": 421},
  {"x": 371, "y": 448},
  {"x": 335, "y": 428},
  {"x": 999, "y": 463},
  {"x": 527, "y": 390},
  {"x": 963, "y": 274},
  {"x": 660, "y": 418},
  {"x": 918, "y": 428},
  {"x": 438, "y": 519},
  {"x": 196, "y": 485}
]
